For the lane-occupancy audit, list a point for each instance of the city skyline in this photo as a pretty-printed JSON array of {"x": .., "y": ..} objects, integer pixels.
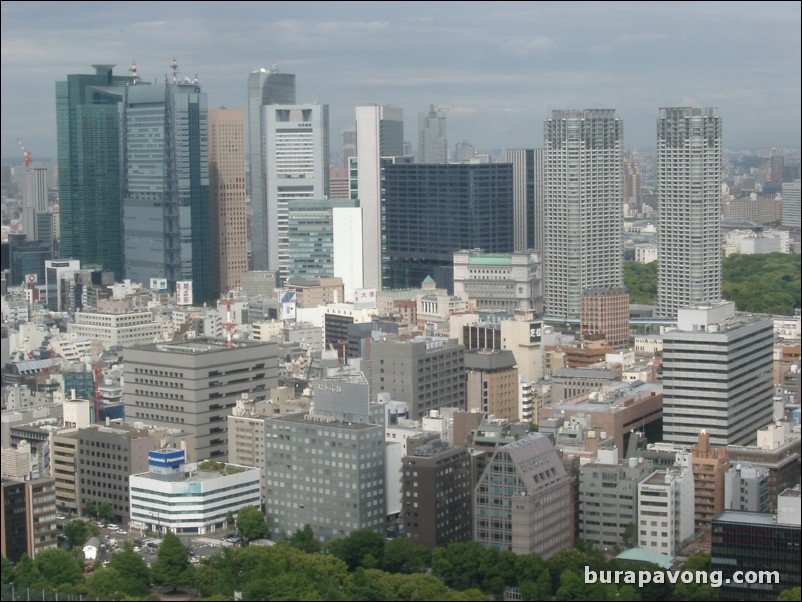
[{"x": 498, "y": 71}]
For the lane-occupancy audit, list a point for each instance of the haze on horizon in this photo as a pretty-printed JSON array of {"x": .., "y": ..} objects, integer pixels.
[{"x": 499, "y": 69}]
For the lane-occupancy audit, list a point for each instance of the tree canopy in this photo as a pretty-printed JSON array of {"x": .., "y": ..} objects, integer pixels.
[
  {"x": 171, "y": 567},
  {"x": 251, "y": 523}
]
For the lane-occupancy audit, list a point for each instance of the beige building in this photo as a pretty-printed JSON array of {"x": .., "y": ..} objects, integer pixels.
[
  {"x": 492, "y": 385},
  {"x": 228, "y": 198},
  {"x": 317, "y": 291}
]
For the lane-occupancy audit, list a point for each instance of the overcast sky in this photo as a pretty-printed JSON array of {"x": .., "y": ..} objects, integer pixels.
[{"x": 499, "y": 68}]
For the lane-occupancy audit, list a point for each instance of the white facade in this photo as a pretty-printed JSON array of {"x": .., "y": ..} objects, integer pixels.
[
  {"x": 717, "y": 373},
  {"x": 511, "y": 281},
  {"x": 380, "y": 132},
  {"x": 666, "y": 510},
  {"x": 297, "y": 167},
  {"x": 583, "y": 214},
  {"x": 348, "y": 247},
  {"x": 195, "y": 504},
  {"x": 792, "y": 204},
  {"x": 116, "y": 329},
  {"x": 689, "y": 198}
]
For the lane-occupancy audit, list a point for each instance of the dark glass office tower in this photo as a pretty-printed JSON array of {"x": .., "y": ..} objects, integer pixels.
[
  {"x": 88, "y": 127},
  {"x": 430, "y": 211}
]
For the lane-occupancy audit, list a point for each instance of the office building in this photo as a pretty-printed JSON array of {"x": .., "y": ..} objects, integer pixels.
[
  {"x": 114, "y": 329},
  {"x": 665, "y": 510},
  {"x": 380, "y": 133},
  {"x": 709, "y": 466},
  {"x": 605, "y": 313},
  {"x": 523, "y": 501},
  {"x": 28, "y": 523},
  {"x": 264, "y": 88},
  {"x": 106, "y": 457},
  {"x": 427, "y": 374},
  {"x": 296, "y": 167},
  {"x": 194, "y": 385},
  {"x": 582, "y": 207},
  {"x": 325, "y": 235},
  {"x": 90, "y": 167},
  {"x": 717, "y": 374},
  {"x": 746, "y": 488},
  {"x": 190, "y": 498},
  {"x": 34, "y": 204},
  {"x": 228, "y": 202},
  {"x": 748, "y": 541},
  {"x": 432, "y": 136},
  {"x": 326, "y": 468},
  {"x": 166, "y": 212},
  {"x": 431, "y": 211},
  {"x": 510, "y": 281},
  {"x": 689, "y": 206},
  {"x": 792, "y": 204},
  {"x": 527, "y": 170},
  {"x": 492, "y": 383},
  {"x": 437, "y": 495},
  {"x": 608, "y": 499}
]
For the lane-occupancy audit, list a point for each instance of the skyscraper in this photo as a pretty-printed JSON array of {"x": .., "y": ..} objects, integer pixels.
[
  {"x": 228, "y": 203},
  {"x": 432, "y": 137},
  {"x": 689, "y": 208},
  {"x": 296, "y": 168},
  {"x": 166, "y": 216},
  {"x": 88, "y": 126},
  {"x": 582, "y": 207},
  {"x": 264, "y": 88},
  {"x": 527, "y": 173},
  {"x": 380, "y": 133},
  {"x": 431, "y": 211}
]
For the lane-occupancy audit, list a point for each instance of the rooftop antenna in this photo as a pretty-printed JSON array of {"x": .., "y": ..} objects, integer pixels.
[
  {"x": 26, "y": 155},
  {"x": 174, "y": 67},
  {"x": 132, "y": 69}
]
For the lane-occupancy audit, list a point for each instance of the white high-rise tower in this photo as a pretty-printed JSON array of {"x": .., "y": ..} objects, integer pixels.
[
  {"x": 582, "y": 207},
  {"x": 689, "y": 206},
  {"x": 297, "y": 168}
]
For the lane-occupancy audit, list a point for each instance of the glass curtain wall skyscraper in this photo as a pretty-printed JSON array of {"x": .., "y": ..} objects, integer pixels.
[
  {"x": 167, "y": 217},
  {"x": 432, "y": 137},
  {"x": 264, "y": 88},
  {"x": 88, "y": 126},
  {"x": 689, "y": 208},
  {"x": 582, "y": 207}
]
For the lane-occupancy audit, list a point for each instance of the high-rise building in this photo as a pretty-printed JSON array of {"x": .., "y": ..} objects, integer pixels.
[
  {"x": 89, "y": 167},
  {"x": 34, "y": 203},
  {"x": 228, "y": 199},
  {"x": 325, "y": 241},
  {"x": 792, "y": 204},
  {"x": 380, "y": 133},
  {"x": 296, "y": 168},
  {"x": 582, "y": 207},
  {"x": 432, "y": 137},
  {"x": 689, "y": 208},
  {"x": 665, "y": 510},
  {"x": 431, "y": 211},
  {"x": 605, "y": 312},
  {"x": 166, "y": 216},
  {"x": 717, "y": 375},
  {"x": 264, "y": 88},
  {"x": 527, "y": 174},
  {"x": 777, "y": 165}
]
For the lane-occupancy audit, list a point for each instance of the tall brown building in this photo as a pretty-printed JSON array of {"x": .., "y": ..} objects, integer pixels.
[
  {"x": 28, "y": 517},
  {"x": 710, "y": 465},
  {"x": 437, "y": 494},
  {"x": 492, "y": 383},
  {"x": 228, "y": 198},
  {"x": 606, "y": 312}
]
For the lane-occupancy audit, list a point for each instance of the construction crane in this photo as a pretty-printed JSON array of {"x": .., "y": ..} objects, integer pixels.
[{"x": 26, "y": 155}]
